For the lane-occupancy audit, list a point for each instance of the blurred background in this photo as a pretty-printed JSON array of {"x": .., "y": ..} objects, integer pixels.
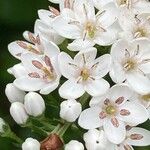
[{"x": 17, "y": 16}]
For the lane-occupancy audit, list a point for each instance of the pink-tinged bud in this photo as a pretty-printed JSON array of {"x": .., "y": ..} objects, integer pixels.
[
  {"x": 14, "y": 94},
  {"x": 31, "y": 144},
  {"x": 18, "y": 113},
  {"x": 34, "y": 104}
]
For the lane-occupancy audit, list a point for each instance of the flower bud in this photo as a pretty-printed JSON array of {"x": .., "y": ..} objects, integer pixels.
[
  {"x": 14, "y": 94},
  {"x": 34, "y": 104},
  {"x": 18, "y": 113},
  {"x": 31, "y": 144},
  {"x": 2, "y": 124},
  {"x": 70, "y": 110},
  {"x": 75, "y": 145},
  {"x": 53, "y": 142},
  {"x": 95, "y": 139}
]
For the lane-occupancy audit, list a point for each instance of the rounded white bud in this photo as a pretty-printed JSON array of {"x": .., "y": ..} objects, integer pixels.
[
  {"x": 14, "y": 94},
  {"x": 18, "y": 113},
  {"x": 70, "y": 110},
  {"x": 31, "y": 144},
  {"x": 2, "y": 123},
  {"x": 74, "y": 145},
  {"x": 34, "y": 104},
  {"x": 95, "y": 139}
]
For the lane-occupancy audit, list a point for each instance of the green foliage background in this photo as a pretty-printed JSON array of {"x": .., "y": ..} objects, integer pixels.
[{"x": 17, "y": 16}]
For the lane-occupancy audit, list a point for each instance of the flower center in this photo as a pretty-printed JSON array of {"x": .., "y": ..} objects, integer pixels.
[
  {"x": 146, "y": 97},
  {"x": 130, "y": 64},
  {"x": 122, "y": 2},
  {"x": 140, "y": 32},
  {"x": 91, "y": 29},
  {"x": 47, "y": 74},
  {"x": 85, "y": 73},
  {"x": 110, "y": 110}
]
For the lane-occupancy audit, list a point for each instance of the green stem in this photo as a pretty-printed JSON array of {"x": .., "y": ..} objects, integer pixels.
[
  {"x": 60, "y": 130},
  {"x": 13, "y": 136}
]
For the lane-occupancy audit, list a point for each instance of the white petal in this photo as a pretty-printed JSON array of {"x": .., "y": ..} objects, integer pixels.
[
  {"x": 103, "y": 66},
  {"x": 97, "y": 87},
  {"x": 139, "y": 82},
  {"x": 49, "y": 87},
  {"x": 138, "y": 113},
  {"x": 100, "y": 3},
  {"x": 66, "y": 30},
  {"x": 15, "y": 49},
  {"x": 71, "y": 90},
  {"x": 108, "y": 37},
  {"x": 115, "y": 134},
  {"x": 85, "y": 57},
  {"x": 143, "y": 141},
  {"x": 80, "y": 44},
  {"x": 50, "y": 48},
  {"x": 66, "y": 65},
  {"x": 29, "y": 84},
  {"x": 89, "y": 118},
  {"x": 120, "y": 90},
  {"x": 111, "y": 12}
]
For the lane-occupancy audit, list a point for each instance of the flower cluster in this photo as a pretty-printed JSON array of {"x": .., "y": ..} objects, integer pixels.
[{"x": 96, "y": 54}]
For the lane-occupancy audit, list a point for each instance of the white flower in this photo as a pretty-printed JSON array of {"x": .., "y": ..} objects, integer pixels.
[
  {"x": 14, "y": 94},
  {"x": 135, "y": 6},
  {"x": 75, "y": 145},
  {"x": 131, "y": 61},
  {"x": 31, "y": 144},
  {"x": 55, "y": 1},
  {"x": 42, "y": 71},
  {"x": 2, "y": 124},
  {"x": 70, "y": 110},
  {"x": 113, "y": 112},
  {"x": 82, "y": 23},
  {"x": 34, "y": 104},
  {"x": 135, "y": 137},
  {"x": 135, "y": 26},
  {"x": 18, "y": 113},
  {"x": 36, "y": 45},
  {"x": 84, "y": 73},
  {"x": 43, "y": 26},
  {"x": 96, "y": 140}
]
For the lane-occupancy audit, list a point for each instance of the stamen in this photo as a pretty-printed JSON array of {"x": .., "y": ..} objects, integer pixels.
[
  {"x": 136, "y": 136},
  {"x": 119, "y": 100},
  {"x": 85, "y": 74},
  {"x": 67, "y": 4},
  {"x": 127, "y": 147},
  {"x": 37, "y": 64},
  {"x": 31, "y": 37},
  {"x": 127, "y": 53},
  {"x": 54, "y": 11},
  {"x": 102, "y": 115},
  {"x": 22, "y": 44},
  {"x": 84, "y": 59},
  {"x": 124, "y": 112},
  {"x": 115, "y": 122},
  {"x": 106, "y": 101},
  {"x": 34, "y": 75},
  {"x": 95, "y": 65},
  {"x": 85, "y": 11},
  {"x": 48, "y": 63},
  {"x": 38, "y": 41}
]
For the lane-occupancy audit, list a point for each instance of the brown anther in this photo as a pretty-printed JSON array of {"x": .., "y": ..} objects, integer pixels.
[
  {"x": 34, "y": 75},
  {"x": 119, "y": 100},
  {"x": 54, "y": 11},
  {"x": 22, "y": 44},
  {"x": 136, "y": 136},
  {"x": 127, "y": 147},
  {"x": 102, "y": 115},
  {"x": 53, "y": 142},
  {"x": 67, "y": 4},
  {"x": 31, "y": 37},
  {"x": 48, "y": 63},
  {"x": 115, "y": 122},
  {"x": 106, "y": 101},
  {"x": 37, "y": 64},
  {"x": 124, "y": 112}
]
